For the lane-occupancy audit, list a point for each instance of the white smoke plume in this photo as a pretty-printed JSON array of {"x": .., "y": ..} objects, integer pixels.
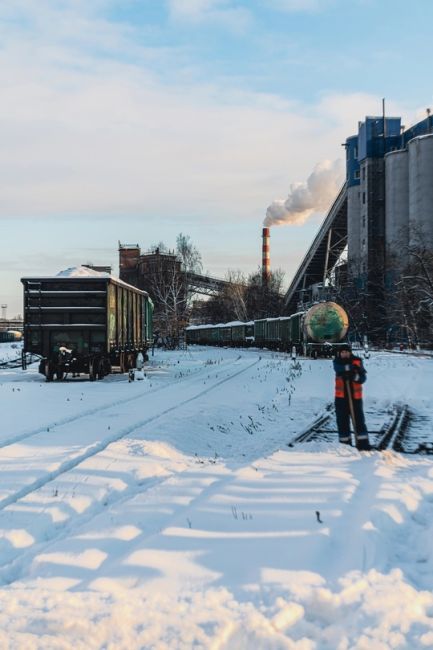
[{"x": 316, "y": 195}]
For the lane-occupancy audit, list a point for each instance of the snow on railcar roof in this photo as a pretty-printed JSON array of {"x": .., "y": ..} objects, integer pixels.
[
  {"x": 234, "y": 323},
  {"x": 200, "y": 327},
  {"x": 83, "y": 273}
]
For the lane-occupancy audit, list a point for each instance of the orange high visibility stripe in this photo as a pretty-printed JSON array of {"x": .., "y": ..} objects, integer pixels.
[
  {"x": 339, "y": 387},
  {"x": 356, "y": 387}
]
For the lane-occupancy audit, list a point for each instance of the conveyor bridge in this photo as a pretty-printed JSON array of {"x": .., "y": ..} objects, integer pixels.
[{"x": 323, "y": 253}]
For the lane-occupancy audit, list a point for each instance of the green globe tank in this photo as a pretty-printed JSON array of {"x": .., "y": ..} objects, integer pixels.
[{"x": 326, "y": 322}]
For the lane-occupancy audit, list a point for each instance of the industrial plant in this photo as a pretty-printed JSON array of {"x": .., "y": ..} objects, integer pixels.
[
  {"x": 377, "y": 230},
  {"x": 380, "y": 223}
]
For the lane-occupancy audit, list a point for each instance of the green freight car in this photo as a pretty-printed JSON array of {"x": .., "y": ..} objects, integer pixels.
[
  {"x": 235, "y": 334},
  {"x": 85, "y": 324},
  {"x": 315, "y": 332},
  {"x": 242, "y": 334},
  {"x": 260, "y": 331},
  {"x": 10, "y": 336}
]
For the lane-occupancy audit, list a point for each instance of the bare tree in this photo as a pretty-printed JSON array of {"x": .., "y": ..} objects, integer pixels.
[
  {"x": 188, "y": 254},
  {"x": 168, "y": 291},
  {"x": 234, "y": 295},
  {"x": 416, "y": 293},
  {"x": 167, "y": 277},
  {"x": 265, "y": 299}
]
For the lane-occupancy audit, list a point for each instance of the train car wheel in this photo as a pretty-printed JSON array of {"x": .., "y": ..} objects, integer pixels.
[
  {"x": 49, "y": 372},
  {"x": 100, "y": 374}
]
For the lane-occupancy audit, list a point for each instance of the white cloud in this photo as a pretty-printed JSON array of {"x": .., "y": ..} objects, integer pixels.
[
  {"x": 220, "y": 12},
  {"x": 89, "y": 128},
  {"x": 301, "y": 5},
  {"x": 194, "y": 9}
]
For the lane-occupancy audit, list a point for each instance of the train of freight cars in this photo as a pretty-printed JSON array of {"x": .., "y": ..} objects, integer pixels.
[
  {"x": 10, "y": 336},
  {"x": 314, "y": 332},
  {"x": 85, "y": 324}
]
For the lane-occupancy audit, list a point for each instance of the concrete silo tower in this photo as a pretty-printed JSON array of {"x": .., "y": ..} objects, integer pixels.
[
  {"x": 396, "y": 210},
  {"x": 421, "y": 192}
]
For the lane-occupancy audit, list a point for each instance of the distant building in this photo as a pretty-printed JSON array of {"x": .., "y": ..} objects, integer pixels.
[
  {"x": 389, "y": 194},
  {"x": 160, "y": 273}
]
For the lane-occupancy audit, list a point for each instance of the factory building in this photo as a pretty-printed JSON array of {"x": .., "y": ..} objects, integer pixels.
[
  {"x": 389, "y": 196},
  {"x": 382, "y": 215},
  {"x": 389, "y": 185},
  {"x": 366, "y": 189}
]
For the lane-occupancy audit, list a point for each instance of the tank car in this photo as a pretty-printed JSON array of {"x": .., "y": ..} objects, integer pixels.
[{"x": 325, "y": 326}]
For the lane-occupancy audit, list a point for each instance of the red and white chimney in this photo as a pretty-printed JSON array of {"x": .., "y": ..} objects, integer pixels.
[{"x": 266, "y": 255}]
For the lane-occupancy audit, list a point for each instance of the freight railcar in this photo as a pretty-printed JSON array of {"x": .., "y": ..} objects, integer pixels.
[
  {"x": 10, "y": 336},
  {"x": 85, "y": 324},
  {"x": 314, "y": 332},
  {"x": 242, "y": 334},
  {"x": 235, "y": 334}
]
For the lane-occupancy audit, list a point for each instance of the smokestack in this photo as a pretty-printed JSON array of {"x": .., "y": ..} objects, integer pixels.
[{"x": 266, "y": 255}]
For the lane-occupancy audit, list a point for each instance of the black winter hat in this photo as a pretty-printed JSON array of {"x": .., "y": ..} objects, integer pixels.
[{"x": 345, "y": 347}]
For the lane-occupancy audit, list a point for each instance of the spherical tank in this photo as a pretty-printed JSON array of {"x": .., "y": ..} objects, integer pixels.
[
  {"x": 16, "y": 335},
  {"x": 421, "y": 191},
  {"x": 326, "y": 322},
  {"x": 397, "y": 208}
]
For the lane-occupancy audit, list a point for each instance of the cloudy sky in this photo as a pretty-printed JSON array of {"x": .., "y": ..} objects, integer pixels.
[{"x": 134, "y": 120}]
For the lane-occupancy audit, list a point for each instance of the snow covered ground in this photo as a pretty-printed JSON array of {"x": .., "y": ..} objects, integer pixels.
[{"x": 172, "y": 514}]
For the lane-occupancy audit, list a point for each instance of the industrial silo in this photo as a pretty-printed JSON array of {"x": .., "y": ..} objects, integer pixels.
[
  {"x": 421, "y": 191},
  {"x": 354, "y": 231},
  {"x": 396, "y": 209}
]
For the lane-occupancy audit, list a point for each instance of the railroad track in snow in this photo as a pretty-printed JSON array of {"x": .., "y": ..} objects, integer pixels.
[
  {"x": 90, "y": 450},
  {"x": 59, "y": 422},
  {"x": 415, "y": 354},
  {"x": 13, "y": 364},
  {"x": 394, "y": 424},
  {"x": 12, "y": 568}
]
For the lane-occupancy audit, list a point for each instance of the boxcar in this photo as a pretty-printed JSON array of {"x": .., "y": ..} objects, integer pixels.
[
  {"x": 260, "y": 331},
  {"x": 297, "y": 328},
  {"x": 273, "y": 333},
  {"x": 242, "y": 333},
  {"x": 10, "y": 336},
  {"x": 225, "y": 334},
  {"x": 285, "y": 333},
  {"x": 85, "y": 324}
]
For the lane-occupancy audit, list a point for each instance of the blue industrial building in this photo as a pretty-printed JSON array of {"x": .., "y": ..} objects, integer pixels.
[{"x": 378, "y": 211}]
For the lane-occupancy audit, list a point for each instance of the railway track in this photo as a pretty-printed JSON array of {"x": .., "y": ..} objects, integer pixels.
[
  {"x": 17, "y": 560},
  {"x": 75, "y": 456},
  {"x": 392, "y": 434},
  {"x": 59, "y": 422},
  {"x": 12, "y": 364},
  {"x": 416, "y": 354}
]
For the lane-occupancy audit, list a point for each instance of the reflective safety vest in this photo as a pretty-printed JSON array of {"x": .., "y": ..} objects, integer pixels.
[{"x": 355, "y": 386}]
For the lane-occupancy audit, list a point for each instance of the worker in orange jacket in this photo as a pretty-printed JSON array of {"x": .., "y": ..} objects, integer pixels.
[{"x": 350, "y": 372}]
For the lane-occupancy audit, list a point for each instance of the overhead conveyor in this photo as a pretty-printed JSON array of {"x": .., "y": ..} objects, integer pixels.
[{"x": 323, "y": 253}]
